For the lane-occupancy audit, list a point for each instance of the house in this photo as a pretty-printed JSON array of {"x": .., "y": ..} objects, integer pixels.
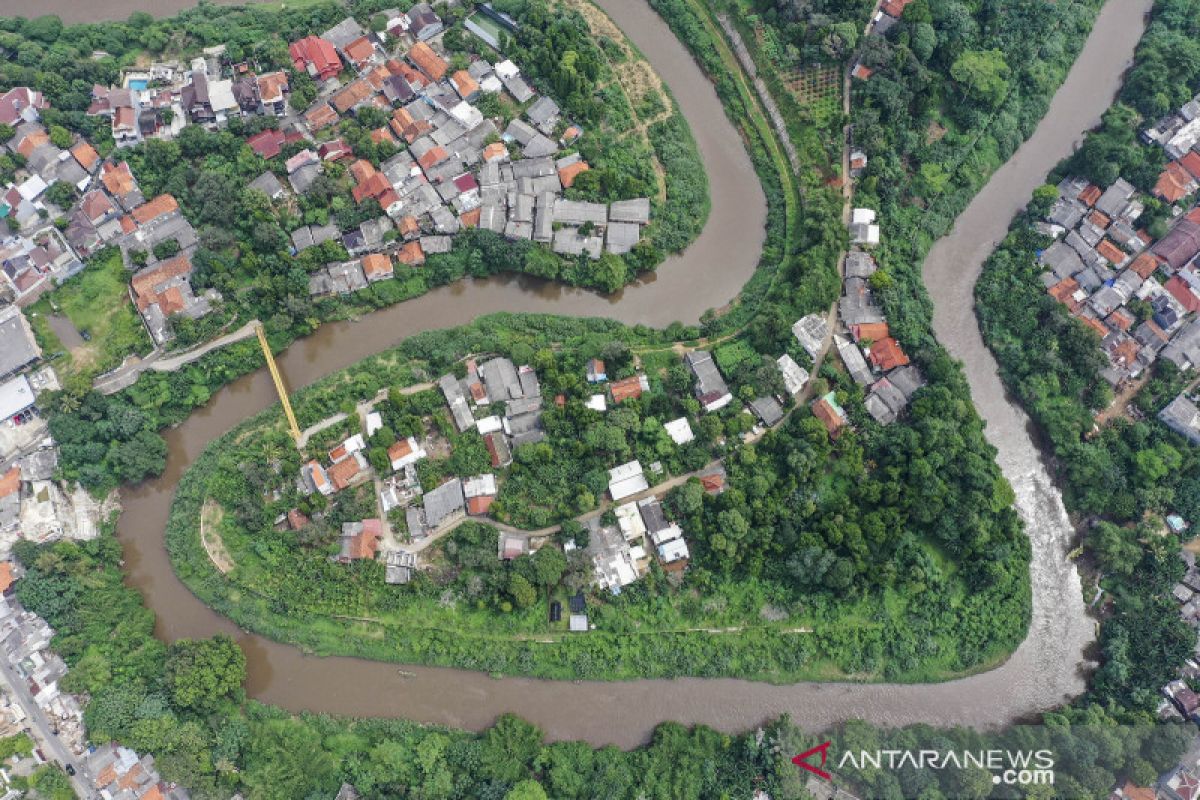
[
  {"x": 853, "y": 359},
  {"x": 886, "y": 354},
  {"x": 443, "y": 506},
  {"x": 457, "y": 401},
  {"x": 314, "y": 478},
  {"x": 360, "y": 540},
  {"x": 268, "y": 143},
  {"x": 498, "y": 450},
  {"x": 466, "y": 86},
  {"x": 16, "y": 397},
  {"x": 347, "y": 472},
  {"x": 863, "y": 229},
  {"x": 400, "y": 566},
  {"x": 679, "y": 430},
  {"x": 595, "y": 371},
  {"x": 316, "y": 56},
  {"x": 1182, "y": 416},
  {"x": 360, "y": 52},
  {"x": 794, "y": 375},
  {"x": 712, "y": 479},
  {"x": 710, "y": 388},
  {"x": 376, "y": 267},
  {"x": 831, "y": 415},
  {"x": 161, "y": 291},
  {"x": 811, "y": 332},
  {"x": 405, "y": 452},
  {"x": 19, "y": 348},
  {"x": 343, "y": 33},
  {"x": 625, "y": 480},
  {"x": 629, "y": 388},
  {"x": 268, "y": 184},
  {"x": 429, "y": 62},
  {"x": 480, "y": 492},
  {"x": 768, "y": 410},
  {"x": 21, "y": 104}
]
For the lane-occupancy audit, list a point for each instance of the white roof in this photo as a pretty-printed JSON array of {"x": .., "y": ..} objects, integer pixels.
[
  {"x": 374, "y": 422},
  {"x": 479, "y": 486},
  {"x": 862, "y": 216},
  {"x": 628, "y": 486},
  {"x": 680, "y": 431},
  {"x": 220, "y": 95},
  {"x": 597, "y": 403},
  {"x": 794, "y": 375},
  {"x": 637, "y": 552},
  {"x": 629, "y": 520},
  {"x": 467, "y": 114},
  {"x": 579, "y": 623},
  {"x": 355, "y": 443},
  {"x": 15, "y": 396},
  {"x": 490, "y": 85},
  {"x": 673, "y": 550},
  {"x": 672, "y": 531},
  {"x": 506, "y": 69},
  {"x": 32, "y": 188},
  {"x": 488, "y": 425}
]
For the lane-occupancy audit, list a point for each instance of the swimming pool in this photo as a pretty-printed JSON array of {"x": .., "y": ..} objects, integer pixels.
[{"x": 138, "y": 83}]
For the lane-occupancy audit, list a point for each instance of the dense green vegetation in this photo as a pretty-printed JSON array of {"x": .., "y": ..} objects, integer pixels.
[
  {"x": 227, "y": 744},
  {"x": 901, "y": 570},
  {"x": 96, "y": 301},
  {"x": 1125, "y": 476}
]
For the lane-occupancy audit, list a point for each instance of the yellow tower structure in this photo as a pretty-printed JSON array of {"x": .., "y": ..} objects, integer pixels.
[{"x": 279, "y": 387}]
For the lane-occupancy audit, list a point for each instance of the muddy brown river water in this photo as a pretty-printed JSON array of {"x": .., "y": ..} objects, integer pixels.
[{"x": 1045, "y": 670}]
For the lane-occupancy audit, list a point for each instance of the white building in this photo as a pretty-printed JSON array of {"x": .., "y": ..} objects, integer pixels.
[
  {"x": 680, "y": 431},
  {"x": 626, "y": 480}
]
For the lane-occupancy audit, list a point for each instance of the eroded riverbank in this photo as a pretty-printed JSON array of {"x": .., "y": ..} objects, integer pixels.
[{"x": 1042, "y": 672}]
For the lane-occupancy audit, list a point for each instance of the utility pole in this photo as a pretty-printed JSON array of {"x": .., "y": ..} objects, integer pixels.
[{"x": 279, "y": 387}]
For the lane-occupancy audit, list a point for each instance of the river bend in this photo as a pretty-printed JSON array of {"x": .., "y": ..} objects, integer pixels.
[{"x": 1044, "y": 671}]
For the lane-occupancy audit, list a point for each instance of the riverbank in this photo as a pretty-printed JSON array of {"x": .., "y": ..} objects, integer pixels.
[{"x": 600, "y": 713}]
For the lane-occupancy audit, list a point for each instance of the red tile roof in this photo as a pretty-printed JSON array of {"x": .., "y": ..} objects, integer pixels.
[
  {"x": 268, "y": 143},
  {"x": 432, "y": 157},
  {"x": 494, "y": 151},
  {"x": 1090, "y": 195},
  {"x": 1191, "y": 162},
  {"x": 10, "y": 482},
  {"x": 1174, "y": 183},
  {"x": 85, "y": 154},
  {"x": 158, "y": 207},
  {"x": 320, "y": 116},
  {"x": 870, "y": 330},
  {"x": 429, "y": 62},
  {"x": 319, "y": 53},
  {"x": 359, "y": 51},
  {"x": 478, "y": 506},
  {"x": 341, "y": 473},
  {"x": 886, "y": 354},
  {"x": 1064, "y": 292},
  {"x": 376, "y": 265},
  {"x": 470, "y": 219},
  {"x": 364, "y": 543},
  {"x": 829, "y": 417},
  {"x": 626, "y": 389},
  {"x": 411, "y": 254},
  {"x": 1145, "y": 265},
  {"x": 567, "y": 174},
  {"x": 1180, "y": 291},
  {"x": 1110, "y": 251}
]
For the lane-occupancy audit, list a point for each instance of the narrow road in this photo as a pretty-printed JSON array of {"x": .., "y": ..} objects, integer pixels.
[{"x": 42, "y": 730}]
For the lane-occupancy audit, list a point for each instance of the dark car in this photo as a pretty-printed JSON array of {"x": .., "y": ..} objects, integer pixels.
[{"x": 70, "y": 769}]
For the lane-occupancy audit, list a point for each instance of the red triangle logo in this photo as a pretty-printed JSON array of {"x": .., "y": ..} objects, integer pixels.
[{"x": 801, "y": 760}]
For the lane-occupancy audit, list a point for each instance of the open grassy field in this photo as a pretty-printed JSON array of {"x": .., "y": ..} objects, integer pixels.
[{"x": 97, "y": 302}]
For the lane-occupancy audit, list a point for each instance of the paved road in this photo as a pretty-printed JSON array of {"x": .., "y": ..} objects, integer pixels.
[{"x": 42, "y": 729}]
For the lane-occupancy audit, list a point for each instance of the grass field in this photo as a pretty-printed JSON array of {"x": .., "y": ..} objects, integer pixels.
[{"x": 96, "y": 301}]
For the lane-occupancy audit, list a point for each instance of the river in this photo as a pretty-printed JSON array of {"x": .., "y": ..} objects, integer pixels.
[{"x": 1044, "y": 671}]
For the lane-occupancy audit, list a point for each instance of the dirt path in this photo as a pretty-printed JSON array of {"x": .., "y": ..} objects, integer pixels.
[
  {"x": 635, "y": 78},
  {"x": 211, "y": 515}
]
